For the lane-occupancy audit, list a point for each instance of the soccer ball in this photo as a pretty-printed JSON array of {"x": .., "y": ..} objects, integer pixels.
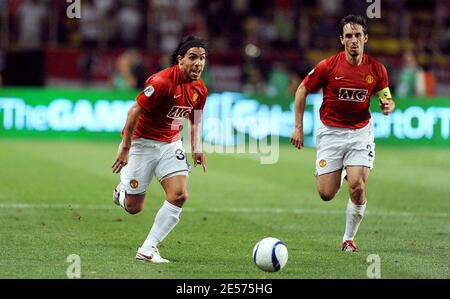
[{"x": 270, "y": 254}]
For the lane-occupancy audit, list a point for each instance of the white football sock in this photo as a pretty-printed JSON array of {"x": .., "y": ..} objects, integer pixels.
[
  {"x": 167, "y": 217},
  {"x": 354, "y": 216}
]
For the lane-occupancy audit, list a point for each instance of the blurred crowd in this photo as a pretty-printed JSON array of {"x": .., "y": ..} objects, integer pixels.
[{"x": 276, "y": 42}]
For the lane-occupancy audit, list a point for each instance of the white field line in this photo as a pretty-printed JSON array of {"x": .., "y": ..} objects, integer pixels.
[{"x": 381, "y": 213}]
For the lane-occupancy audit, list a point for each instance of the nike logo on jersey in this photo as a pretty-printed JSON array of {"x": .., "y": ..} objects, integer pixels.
[
  {"x": 339, "y": 78},
  {"x": 176, "y": 97},
  {"x": 353, "y": 94}
]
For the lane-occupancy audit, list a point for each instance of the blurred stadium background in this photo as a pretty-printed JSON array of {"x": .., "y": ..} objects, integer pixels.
[
  {"x": 67, "y": 83},
  {"x": 255, "y": 45}
]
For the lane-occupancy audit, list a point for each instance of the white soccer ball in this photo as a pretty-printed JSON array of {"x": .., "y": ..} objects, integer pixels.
[{"x": 270, "y": 254}]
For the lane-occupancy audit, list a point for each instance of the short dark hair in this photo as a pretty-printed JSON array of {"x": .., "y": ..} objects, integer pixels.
[
  {"x": 352, "y": 19},
  {"x": 186, "y": 43}
]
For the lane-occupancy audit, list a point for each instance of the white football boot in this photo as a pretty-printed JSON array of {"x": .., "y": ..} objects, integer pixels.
[
  {"x": 151, "y": 256},
  {"x": 116, "y": 195}
]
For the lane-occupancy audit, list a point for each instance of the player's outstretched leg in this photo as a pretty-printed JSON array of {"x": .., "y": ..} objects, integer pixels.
[
  {"x": 166, "y": 219},
  {"x": 354, "y": 215},
  {"x": 357, "y": 177}
]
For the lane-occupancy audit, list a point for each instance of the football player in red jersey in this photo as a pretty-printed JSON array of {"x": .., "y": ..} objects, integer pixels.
[
  {"x": 151, "y": 141},
  {"x": 345, "y": 142}
]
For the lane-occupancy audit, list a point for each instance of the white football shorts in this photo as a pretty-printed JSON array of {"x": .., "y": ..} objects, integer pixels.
[
  {"x": 338, "y": 148},
  {"x": 148, "y": 158}
]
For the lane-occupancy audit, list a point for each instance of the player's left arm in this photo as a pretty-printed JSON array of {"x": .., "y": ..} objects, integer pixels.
[
  {"x": 387, "y": 104},
  {"x": 195, "y": 128}
]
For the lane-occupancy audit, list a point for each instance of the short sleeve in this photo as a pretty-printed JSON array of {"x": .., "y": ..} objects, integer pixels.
[
  {"x": 196, "y": 115},
  {"x": 383, "y": 81},
  {"x": 155, "y": 89},
  {"x": 202, "y": 102},
  {"x": 316, "y": 78}
]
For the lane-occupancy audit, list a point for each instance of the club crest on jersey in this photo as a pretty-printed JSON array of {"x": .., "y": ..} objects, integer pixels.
[
  {"x": 195, "y": 98},
  {"x": 149, "y": 91},
  {"x": 353, "y": 94},
  {"x": 322, "y": 163},
  {"x": 178, "y": 112},
  {"x": 370, "y": 79},
  {"x": 134, "y": 184}
]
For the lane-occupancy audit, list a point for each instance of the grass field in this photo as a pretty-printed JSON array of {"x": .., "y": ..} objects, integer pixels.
[{"x": 55, "y": 200}]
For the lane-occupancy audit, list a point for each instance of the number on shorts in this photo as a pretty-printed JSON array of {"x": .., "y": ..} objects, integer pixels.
[
  {"x": 369, "y": 147},
  {"x": 179, "y": 154}
]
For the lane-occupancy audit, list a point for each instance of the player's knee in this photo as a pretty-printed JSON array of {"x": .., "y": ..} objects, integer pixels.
[
  {"x": 357, "y": 190},
  {"x": 133, "y": 210},
  {"x": 178, "y": 198},
  {"x": 326, "y": 195},
  {"x": 134, "y": 207}
]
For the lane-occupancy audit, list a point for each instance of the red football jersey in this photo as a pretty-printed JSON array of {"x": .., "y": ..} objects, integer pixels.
[
  {"x": 167, "y": 99},
  {"x": 346, "y": 89}
]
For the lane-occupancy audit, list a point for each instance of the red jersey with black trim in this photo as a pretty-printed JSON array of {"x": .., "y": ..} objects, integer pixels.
[
  {"x": 167, "y": 99},
  {"x": 347, "y": 89}
]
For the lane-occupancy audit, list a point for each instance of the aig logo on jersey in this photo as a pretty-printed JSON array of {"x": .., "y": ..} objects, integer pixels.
[
  {"x": 178, "y": 112},
  {"x": 353, "y": 94}
]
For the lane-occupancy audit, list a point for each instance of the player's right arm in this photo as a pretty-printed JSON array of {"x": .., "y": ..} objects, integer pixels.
[
  {"x": 313, "y": 81},
  {"x": 127, "y": 133},
  {"x": 297, "y": 135},
  {"x": 155, "y": 89}
]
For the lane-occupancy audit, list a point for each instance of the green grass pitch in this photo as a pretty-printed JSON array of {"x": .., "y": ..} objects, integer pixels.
[{"x": 55, "y": 200}]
